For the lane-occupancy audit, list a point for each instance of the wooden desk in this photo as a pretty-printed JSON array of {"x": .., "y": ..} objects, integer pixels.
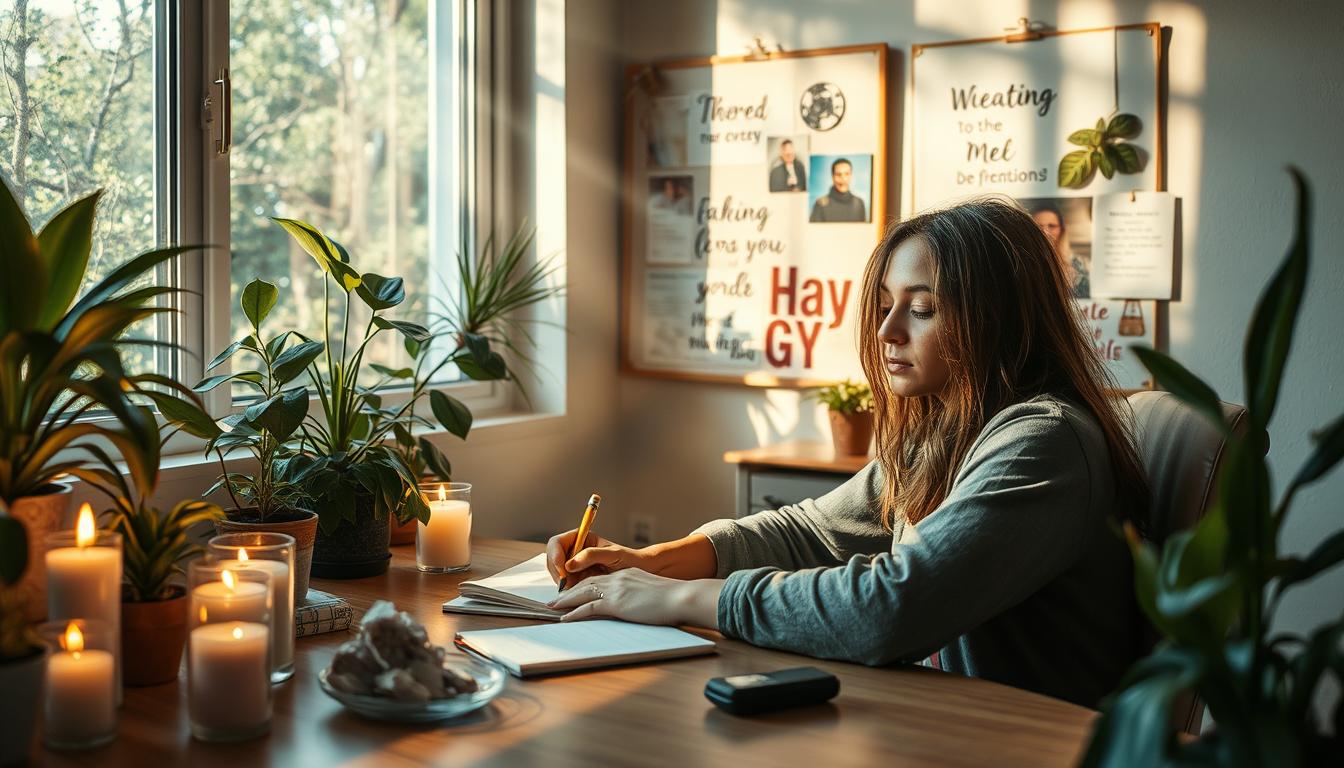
[
  {"x": 772, "y": 476},
  {"x": 632, "y": 716}
]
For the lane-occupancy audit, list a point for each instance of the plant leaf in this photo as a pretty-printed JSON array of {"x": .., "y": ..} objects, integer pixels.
[
  {"x": 210, "y": 382},
  {"x": 1329, "y": 450},
  {"x": 1270, "y": 335},
  {"x": 225, "y": 355},
  {"x": 292, "y": 362},
  {"x": 282, "y": 414},
  {"x": 258, "y": 299},
  {"x": 1326, "y": 555},
  {"x": 1127, "y": 158},
  {"x": 1124, "y": 126},
  {"x": 21, "y": 255},
  {"x": 64, "y": 244},
  {"x": 1085, "y": 138},
  {"x": 186, "y": 415},
  {"x": 435, "y": 461},
  {"x": 381, "y": 292},
  {"x": 1106, "y": 161},
  {"x": 1075, "y": 168},
  {"x": 1178, "y": 380},
  {"x": 396, "y": 373},
  {"x": 451, "y": 413},
  {"x": 410, "y": 330}
]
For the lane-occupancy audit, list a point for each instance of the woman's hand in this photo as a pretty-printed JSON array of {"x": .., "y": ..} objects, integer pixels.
[
  {"x": 635, "y": 595},
  {"x": 599, "y": 556}
]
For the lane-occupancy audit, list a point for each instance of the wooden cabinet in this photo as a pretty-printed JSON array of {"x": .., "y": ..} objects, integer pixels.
[{"x": 777, "y": 475}]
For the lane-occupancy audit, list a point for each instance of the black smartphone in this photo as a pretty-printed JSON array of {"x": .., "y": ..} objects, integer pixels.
[{"x": 756, "y": 693}]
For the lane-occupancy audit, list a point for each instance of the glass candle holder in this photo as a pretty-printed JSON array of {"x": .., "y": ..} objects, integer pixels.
[
  {"x": 84, "y": 579},
  {"x": 443, "y": 545},
  {"x": 80, "y": 700},
  {"x": 273, "y": 553},
  {"x": 229, "y": 652}
]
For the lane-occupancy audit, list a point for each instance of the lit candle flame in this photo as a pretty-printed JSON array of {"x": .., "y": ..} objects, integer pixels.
[
  {"x": 85, "y": 531},
  {"x": 74, "y": 639},
  {"x": 242, "y": 555},
  {"x": 442, "y": 495},
  {"x": 237, "y": 633},
  {"x": 229, "y": 580}
]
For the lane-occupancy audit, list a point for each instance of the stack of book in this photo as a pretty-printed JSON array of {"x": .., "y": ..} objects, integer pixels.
[{"x": 321, "y": 612}]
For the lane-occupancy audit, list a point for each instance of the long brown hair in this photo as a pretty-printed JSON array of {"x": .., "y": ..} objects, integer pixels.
[{"x": 1010, "y": 332}]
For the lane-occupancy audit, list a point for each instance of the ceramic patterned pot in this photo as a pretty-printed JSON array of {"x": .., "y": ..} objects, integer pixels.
[
  {"x": 40, "y": 514},
  {"x": 299, "y": 523}
]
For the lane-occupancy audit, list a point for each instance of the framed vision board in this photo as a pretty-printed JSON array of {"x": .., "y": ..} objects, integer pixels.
[
  {"x": 755, "y": 190},
  {"x": 1051, "y": 119}
]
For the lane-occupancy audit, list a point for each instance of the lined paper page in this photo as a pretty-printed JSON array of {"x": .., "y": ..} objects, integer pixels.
[{"x": 528, "y": 580}]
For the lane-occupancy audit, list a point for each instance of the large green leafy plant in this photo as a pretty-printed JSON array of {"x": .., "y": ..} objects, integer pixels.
[
  {"x": 346, "y": 455},
  {"x": 1213, "y": 591},
  {"x": 61, "y": 353}
]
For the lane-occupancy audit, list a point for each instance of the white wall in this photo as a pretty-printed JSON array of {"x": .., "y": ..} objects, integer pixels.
[{"x": 1253, "y": 86}]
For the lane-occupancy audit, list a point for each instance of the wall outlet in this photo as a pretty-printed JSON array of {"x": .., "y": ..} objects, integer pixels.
[{"x": 641, "y": 531}]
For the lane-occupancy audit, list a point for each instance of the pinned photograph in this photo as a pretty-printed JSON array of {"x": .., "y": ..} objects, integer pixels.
[
  {"x": 1067, "y": 224},
  {"x": 670, "y": 236},
  {"x": 666, "y": 128},
  {"x": 787, "y": 160},
  {"x": 847, "y": 196}
]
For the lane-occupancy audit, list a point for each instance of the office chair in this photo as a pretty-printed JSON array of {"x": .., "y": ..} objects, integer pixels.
[{"x": 1181, "y": 453}]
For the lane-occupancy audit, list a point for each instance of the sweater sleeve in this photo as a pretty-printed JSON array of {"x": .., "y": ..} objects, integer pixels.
[
  {"x": 821, "y": 532},
  {"x": 1016, "y": 517}
]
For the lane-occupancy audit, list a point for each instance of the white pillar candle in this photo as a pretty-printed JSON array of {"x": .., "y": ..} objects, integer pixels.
[
  {"x": 229, "y": 678},
  {"x": 282, "y": 603},
  {"x": 80, "y": 707},
  {"x": 230, "y": 599},
  {"x": 445, "y": 542},
  {"x": 84, "y": 582}
]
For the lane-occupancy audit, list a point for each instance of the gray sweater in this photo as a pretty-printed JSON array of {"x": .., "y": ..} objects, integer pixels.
[{"x": 1017, "y": 577}]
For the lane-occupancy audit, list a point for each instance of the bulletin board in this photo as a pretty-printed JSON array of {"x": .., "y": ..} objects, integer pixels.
[
  {"x": 1051, "y": 119},
  {"x": 755, "y": 191}
]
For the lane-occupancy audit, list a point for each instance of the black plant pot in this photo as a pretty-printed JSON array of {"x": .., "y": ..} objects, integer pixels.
[{"x": 354, "y": 550}]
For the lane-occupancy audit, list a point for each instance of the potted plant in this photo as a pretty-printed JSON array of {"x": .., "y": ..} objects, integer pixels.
[
  {"x": 154, "y": 545},
  {"x": 850, "y": 406},
  {"x": 22, "y": 657},
  {"x": 271, "y": 498},
  {"x": 494, "y": 287},
  {"x": 61, "y": 357},
  {"x": 1213, "y": 591}
]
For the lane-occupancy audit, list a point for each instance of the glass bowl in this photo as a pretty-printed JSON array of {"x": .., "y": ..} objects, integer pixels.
[{"x": 490, "y": 679}]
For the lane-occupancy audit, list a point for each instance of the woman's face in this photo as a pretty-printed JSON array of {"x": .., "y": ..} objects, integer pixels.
[
  {"x": 1050, "y": 224},
  {"x": 910, "y": 332}
]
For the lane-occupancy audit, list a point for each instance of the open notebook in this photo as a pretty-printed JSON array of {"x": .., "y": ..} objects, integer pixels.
[
  {"x": 539, "y": 649},
  {"x": 522, "y": 590}
]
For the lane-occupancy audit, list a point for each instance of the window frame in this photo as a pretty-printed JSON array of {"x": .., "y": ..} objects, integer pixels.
[{"x": 193, "y": 180}]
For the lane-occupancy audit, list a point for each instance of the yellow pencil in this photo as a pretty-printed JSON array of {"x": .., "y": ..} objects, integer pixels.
[{"x": 586, "y": 524}]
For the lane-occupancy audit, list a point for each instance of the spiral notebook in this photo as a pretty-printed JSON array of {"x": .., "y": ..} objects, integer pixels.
[
  {"x": 539, "y": 649},
  {"x": 521, "y": 591}
]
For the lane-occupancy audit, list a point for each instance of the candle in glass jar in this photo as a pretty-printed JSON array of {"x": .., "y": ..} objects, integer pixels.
[
  {"x": 282, "y": 602},
  {"x": 230, "y": 598},
  {"x": 80, "y": 706},
  {"x": 229, "y": 679},
  {"x": 445, "y": 542},
  {"x": 84, "y": 581}
]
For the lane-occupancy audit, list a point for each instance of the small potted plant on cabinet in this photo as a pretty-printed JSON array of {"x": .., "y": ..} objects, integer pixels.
[{"x": 850, "y": 406}]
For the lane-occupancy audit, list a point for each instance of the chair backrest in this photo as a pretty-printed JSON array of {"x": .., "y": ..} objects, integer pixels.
[{"x": 1181, "y": 453}]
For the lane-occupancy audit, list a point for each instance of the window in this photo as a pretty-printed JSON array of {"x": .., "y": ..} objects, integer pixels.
[{"x": 202, "y": 120}]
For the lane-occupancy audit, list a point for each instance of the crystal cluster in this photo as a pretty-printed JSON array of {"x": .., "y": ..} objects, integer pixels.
[{"x": 393, "y": 657}]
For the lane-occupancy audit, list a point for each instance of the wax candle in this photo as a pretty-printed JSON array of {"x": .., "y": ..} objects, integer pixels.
[
  {"x": 84, "y": 580},
  {"x": 282, "y": 602},
  {"x": 229, "y": 680},
  {"x": 80, "y": 706},
  {"x": 445, "y": 542}
]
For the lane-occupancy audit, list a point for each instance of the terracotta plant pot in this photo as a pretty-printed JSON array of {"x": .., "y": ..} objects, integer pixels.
[
  {"x": 851, "y": 433},
  {"x": 299, "y": 523},
  {"x": 21, "y": 681},
  {"x": 354, "y": 550},
  {"x": 404, "y": 533},
  {"x": 40, "y": 514},
  {"x": 153, "y": 634}
]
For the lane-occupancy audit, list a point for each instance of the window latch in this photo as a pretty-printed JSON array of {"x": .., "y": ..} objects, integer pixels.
[{"x": 224, "y": 139}]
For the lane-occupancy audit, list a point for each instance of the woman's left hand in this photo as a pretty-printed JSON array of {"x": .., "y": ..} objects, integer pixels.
[{"x": 639, "y": 596}]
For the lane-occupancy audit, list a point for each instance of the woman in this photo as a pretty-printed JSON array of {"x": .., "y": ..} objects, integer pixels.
[
  {"x": 984, "y": 531},
  {"x": 1051, "y": 222}
]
